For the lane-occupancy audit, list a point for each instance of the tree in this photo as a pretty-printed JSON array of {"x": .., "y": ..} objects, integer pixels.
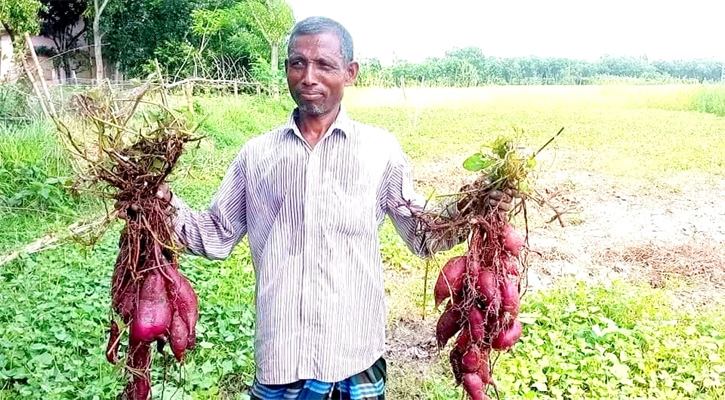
[
  {"x": 249, "y": 30},
  {"x": 150, "y": 32},
  {"x": 98, "y": 7},
  {"x": 19, "y": 16},
  {"x": 272, "y": 19},
  {"x": 60, "y": 21}
]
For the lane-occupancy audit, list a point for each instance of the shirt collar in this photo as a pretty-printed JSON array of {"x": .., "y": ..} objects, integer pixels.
[{"x": 342, "y": 123}]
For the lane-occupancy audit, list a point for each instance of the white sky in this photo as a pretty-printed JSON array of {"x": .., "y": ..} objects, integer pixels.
[{"x": 414, "y": 30}]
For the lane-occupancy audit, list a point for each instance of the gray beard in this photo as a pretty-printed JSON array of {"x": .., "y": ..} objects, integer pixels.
[{"x": 312, "y": 109}]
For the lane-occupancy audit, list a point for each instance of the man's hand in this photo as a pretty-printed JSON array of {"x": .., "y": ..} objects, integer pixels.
[
  {"x": 503, "y": 200},
  {"x": 162, "y": 194}
]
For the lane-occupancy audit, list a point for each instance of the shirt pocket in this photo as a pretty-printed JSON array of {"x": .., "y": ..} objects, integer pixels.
[{"x": 352, "y": 202}]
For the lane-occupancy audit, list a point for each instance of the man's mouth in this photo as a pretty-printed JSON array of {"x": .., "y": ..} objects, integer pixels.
[{"x": 310, "y": 96}]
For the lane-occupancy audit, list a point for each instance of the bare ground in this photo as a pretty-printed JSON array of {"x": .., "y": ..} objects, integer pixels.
[{"x": 665, "y": 232}]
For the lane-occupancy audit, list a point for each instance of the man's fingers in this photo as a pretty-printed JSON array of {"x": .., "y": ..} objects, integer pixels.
[
  {"x": 501, "y": 196},
  {"x": 513, "y": 193},
  {"x": 502, "y": 205}
]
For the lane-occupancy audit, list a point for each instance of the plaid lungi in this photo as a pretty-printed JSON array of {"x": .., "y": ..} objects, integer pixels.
[{"x": 367, "y": 385}]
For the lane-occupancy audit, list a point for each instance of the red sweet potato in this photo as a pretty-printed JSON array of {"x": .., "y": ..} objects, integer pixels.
[
  {"x": 139, "y": 360},
  {"x": 477, "y": 323},
  {"x": 182, "y": 295},
  {"x": 450, "y": 280},
  {"x": 474, "y": 386},
  {"x": 512, "y": 241},
  {"x": 510, "y": 298},
  {"x": 509, "y": 264},
  {"x": 178, "y": 336},
  {"x": 114, "y": 340},
  {"x": 153, "y": 315},
  {"x": 470, "y": 361},
  {"x": 448, "y": 325},
  {"x": 486, "y": 285},
  {"x": 507, "y": 337},
  {"x": 139, "y": 388}
]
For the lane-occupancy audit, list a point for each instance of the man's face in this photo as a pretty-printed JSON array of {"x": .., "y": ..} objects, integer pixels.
[{"x": 317, "y": 73}]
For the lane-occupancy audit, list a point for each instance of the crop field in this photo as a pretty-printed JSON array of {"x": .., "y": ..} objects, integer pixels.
[{"x": 625, "y": 300}]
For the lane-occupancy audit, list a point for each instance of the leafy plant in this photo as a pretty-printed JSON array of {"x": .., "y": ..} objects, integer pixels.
[{"x": 30, "y": 187}]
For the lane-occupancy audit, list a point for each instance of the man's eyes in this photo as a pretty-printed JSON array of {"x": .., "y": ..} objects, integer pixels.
[{"x": 325, "y": 66}]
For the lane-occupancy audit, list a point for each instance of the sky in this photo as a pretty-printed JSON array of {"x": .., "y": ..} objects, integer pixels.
[{"x": 414, "y": 30}]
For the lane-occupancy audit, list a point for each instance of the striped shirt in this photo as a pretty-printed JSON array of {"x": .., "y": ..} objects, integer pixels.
[{"x": 312, "y": 216}]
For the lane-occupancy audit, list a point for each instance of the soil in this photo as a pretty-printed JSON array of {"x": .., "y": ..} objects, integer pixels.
[{"x": 667, "y": 232}]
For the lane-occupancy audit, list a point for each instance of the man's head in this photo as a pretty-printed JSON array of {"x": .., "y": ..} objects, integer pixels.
[{"x": 319, "y": 64}]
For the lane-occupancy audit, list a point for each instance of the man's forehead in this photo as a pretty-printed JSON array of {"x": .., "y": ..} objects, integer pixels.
[{"x": 325, "y": 43}]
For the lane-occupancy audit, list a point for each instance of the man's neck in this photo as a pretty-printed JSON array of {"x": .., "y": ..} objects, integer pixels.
[{"x": 314, "y": 127}]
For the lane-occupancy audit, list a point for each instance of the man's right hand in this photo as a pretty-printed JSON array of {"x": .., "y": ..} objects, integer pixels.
[{"x": 162, "y": 194}]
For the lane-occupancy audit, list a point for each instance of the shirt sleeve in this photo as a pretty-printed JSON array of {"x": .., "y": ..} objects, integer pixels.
[
  {"x": 402, "y": 201},
  {"x": 214, "y": 233}
]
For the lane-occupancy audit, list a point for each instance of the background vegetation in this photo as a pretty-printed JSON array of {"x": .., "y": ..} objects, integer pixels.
[{"x": 581, "y": 340}]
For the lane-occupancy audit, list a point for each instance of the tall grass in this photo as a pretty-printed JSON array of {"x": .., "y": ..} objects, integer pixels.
[
  {"x": 33, "y": 144},
  {"x": 710, "y": 99}
]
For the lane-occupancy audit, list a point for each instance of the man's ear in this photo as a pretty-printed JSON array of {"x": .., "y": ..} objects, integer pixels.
[
  {"x": 352, "y": 70},
  {"x": 286, "y": 65}
]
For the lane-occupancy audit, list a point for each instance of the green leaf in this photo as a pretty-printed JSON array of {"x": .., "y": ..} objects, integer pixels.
[
  {"x": 44, "y": 359},
  {"x": 477, "y": 162}
]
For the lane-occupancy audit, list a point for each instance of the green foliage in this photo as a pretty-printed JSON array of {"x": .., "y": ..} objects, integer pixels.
[
  {"x": 270, "y": 78},
  {"x": 470, "y": 67},
  {"x": 13, "y": 101},
  {"x": 613, "y": 341},
  {"x": 20, "y": 16},
  {"x": 711, "y": 99},
  {"x": 622, "y": 341},
  {"x": 134, "y": 37},
  {"x": 270, "y": 19},
  {"x": 176, "y": 58},
  {"x": 624, "y": 131},
  {"x": 29, "y": 186},
  {"x": 250, "y": 30}
]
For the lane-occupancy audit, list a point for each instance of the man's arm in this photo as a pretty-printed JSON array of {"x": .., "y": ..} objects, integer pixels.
[
  {"x": 214, "y": 232},
  {"x": 401, "y": 199}
]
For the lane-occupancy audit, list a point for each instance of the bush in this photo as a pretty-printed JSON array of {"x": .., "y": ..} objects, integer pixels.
[{"x": 14, "y": 102}]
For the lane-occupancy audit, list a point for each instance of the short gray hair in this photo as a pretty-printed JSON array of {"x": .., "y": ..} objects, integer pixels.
[{"x": 316, "y": 25}]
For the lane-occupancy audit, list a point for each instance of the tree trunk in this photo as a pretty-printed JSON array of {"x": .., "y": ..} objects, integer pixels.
[
  {"x": 274, "y": 67},
  {"x": 98, "y": 54},
  {"x": 275, "y": 57}
]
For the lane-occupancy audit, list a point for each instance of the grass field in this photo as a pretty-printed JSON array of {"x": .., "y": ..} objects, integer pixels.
[{"x": 582, "y": 339}]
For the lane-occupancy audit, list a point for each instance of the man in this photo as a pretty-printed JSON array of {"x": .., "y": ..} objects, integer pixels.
[{"x": 311, "y": 195}]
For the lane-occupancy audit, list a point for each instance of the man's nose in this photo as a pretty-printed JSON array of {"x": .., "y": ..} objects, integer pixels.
[{"x": 309, "y": 75}]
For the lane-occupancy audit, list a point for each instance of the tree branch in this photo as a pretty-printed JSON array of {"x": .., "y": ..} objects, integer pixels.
[
  {"x": 10, "y": 32},
  {"x": 103, "y": 7}
]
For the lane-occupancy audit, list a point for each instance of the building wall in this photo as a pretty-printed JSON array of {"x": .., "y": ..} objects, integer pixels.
[{"x": 6, "y": 55}]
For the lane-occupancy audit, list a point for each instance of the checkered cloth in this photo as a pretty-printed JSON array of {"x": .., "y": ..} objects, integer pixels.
[{"x": 367, "y": 385}]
